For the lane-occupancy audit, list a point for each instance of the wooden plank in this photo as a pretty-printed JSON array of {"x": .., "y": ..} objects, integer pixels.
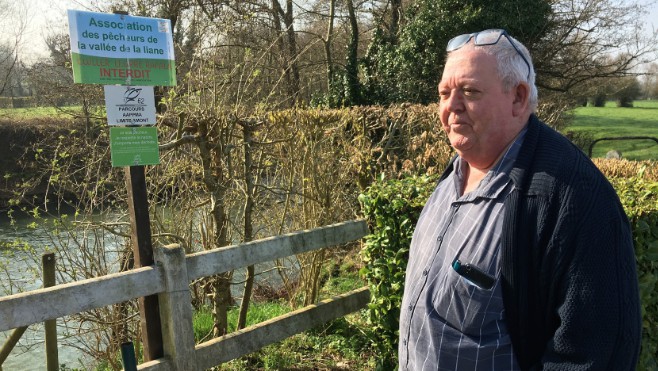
[
  {"x": 10, "y": 343},
  {"x": 228, "y": 258},
  {"x": 176, "y": 309},
  {"x": 40, "y": 305},
  {"x": 250, "y": 339},
  {"x": 49, "y": 303},
  {"x": 160, "y": 364}
]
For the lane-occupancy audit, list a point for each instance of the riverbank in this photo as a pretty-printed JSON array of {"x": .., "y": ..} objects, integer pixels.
[
  {"x": 26, "y": 143},
  {"x": 34, "y": 147}
]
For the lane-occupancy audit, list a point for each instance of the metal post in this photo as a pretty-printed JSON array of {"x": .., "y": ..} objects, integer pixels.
[{"x": 128, "y": 356}]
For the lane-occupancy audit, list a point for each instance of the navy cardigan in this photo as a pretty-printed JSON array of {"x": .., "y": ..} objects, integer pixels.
[{"x": 569, "y": 280}]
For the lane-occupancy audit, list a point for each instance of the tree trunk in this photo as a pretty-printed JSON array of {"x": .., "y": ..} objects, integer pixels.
[
  {"x": 353, "y": 90},
  {"x": 327, "y": 45},
  {"x": 291, "y": 69},
  {"x": 247, "y": 131},
  {"x": 292, "y": 53},
  {"x": 396, "y": 12},
  {"x": 215, "y": 183},
  {"x": 221, "y": 283}
]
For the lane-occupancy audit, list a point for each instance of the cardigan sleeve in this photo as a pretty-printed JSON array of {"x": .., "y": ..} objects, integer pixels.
[
  {"x": 567, "y": 265},
  {"x": 596, "y": 297}
]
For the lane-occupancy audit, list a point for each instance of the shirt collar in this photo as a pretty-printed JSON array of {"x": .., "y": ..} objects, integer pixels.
[{"x": 497, "y": 177}]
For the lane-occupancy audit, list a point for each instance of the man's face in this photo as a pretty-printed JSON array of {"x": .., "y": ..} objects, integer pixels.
[{"x": 475, "y": 111}]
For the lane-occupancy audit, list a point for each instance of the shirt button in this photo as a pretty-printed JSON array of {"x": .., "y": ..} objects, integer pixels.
[
  {"x": 404, "y": 342},
  {"x": 411, "y": 307},
  {"x": 440, "y": 238},
  {"x": 425, "y": 272}
]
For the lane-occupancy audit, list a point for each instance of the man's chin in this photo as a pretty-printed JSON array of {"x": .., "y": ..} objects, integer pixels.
[{"x": 461, "y": 145}]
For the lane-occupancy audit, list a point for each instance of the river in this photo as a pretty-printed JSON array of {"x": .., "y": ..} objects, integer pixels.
[{"x": 20, "y": 271}]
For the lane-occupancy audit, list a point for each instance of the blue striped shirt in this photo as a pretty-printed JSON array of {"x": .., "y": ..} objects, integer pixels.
[{"x": 446, "y": 321}]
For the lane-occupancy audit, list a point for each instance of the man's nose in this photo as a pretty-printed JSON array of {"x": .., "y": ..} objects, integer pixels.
[{"x": 455, "y": 102}]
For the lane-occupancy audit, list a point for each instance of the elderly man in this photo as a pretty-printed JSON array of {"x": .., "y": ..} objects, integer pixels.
[{"x": 522, "y": 258}]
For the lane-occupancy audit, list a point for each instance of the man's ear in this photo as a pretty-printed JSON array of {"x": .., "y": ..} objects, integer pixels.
[{"x": 521, "y": 99}]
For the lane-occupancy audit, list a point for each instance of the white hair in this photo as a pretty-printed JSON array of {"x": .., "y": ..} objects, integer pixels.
[{"x": 511, "y": 67}]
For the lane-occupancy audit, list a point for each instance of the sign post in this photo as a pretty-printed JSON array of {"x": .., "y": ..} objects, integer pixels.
[
  {"x": 149, "y": 308},
  {"x": 129, "y": 55}
]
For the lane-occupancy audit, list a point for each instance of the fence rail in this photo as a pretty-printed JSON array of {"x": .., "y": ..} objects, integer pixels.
[
  {"x": 169, "y": 278},
  {"x": 591, "y": 145}
]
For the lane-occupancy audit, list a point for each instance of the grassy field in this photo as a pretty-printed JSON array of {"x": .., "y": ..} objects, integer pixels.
[
  {"x": 613, "y": 121},
  {"x": 27, "y": 113}
]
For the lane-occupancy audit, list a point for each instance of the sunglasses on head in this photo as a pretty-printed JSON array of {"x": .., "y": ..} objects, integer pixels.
[{"x": 482, "y": 38}]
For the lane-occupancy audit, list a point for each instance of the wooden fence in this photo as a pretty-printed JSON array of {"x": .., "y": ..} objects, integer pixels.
[{"x": 169, "y": 278}]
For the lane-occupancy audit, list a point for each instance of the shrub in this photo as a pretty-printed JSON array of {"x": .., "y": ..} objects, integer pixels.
[
  {"x": 392, "y": 209},
  {"x": 639, "y": 197},
  {"x": 598, "y": 100},
  {"x": 582, "y": 139},
  {"x": 620, "y": 168}
]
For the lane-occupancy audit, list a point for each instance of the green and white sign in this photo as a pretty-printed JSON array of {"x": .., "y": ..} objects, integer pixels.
[
  {"x": 134, "y": 146},
  {"x": 121, "y": 49}
]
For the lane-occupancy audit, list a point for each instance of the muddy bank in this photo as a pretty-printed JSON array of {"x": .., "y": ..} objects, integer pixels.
[{"x": 27, "y": 145}]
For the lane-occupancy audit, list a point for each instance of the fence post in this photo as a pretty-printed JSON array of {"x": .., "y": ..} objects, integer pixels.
[
  {"x": 52, "y": 357},
  {"x": 176, "y": 308}
]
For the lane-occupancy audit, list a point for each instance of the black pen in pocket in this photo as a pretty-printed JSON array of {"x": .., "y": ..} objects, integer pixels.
[{"x": 474, "y": 275}]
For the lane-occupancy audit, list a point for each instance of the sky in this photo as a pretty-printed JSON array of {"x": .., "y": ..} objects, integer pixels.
[{"x": 42, "y": 18}]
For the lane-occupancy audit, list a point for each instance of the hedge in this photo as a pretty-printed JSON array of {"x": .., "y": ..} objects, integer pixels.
[
  {"x": 392, "y": 208},
  {"x": 640, "y": 199}
]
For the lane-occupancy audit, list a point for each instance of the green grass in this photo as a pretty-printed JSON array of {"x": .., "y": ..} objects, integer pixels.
[
  {"x": 342, "y": 344},
  {"x": 36, "y": 112},
  {"x": 258, "y": 312},
  {"x": 613, "y": 121}
]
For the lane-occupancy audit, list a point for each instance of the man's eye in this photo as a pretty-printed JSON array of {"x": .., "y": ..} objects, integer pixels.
[
  {"x": 443, "y": 95},
  {"x": 469, "y": 91}
]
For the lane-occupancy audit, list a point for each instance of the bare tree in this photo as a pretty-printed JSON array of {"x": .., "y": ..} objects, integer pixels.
[
  {"x": 650, "y": 81},
  {"x": 13, "y": 18},
  {"x": 590, "y": 39},
  {"x": 352, "y": 89},
  {"x": 283, "y": 20}
]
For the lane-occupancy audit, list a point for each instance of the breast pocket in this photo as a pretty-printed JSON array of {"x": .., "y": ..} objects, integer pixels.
[{"x": 470, "y": 309}]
